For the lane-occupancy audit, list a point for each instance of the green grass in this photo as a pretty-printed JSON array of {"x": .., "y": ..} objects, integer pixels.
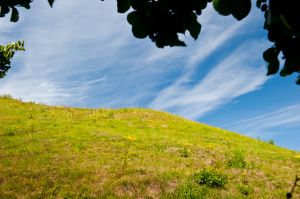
[{"x": 59, "y": 152}]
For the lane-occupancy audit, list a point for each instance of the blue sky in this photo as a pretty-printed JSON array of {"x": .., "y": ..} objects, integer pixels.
[{"x": 85, "y": 56}]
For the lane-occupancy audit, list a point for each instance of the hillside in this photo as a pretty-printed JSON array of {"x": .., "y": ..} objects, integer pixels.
[{"x": 59, "y": 152}]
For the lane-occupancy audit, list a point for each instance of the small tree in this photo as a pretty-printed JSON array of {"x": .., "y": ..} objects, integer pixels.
[{"x": 6, "y": 54}]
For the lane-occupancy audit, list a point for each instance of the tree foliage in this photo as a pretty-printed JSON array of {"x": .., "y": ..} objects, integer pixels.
[
  {"x": 282, "y": 21},
  {"x": 7, "y": 6},
  {"x": 6, "y": 54},
  {"x": 7, "y": 51},
  {"x": 163, "y": 20}
]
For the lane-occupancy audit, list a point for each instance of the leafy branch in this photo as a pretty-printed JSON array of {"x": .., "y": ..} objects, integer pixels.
[{"x": 6, "y": 54}]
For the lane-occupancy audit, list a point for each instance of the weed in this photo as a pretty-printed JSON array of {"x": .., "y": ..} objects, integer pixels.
[
  {"x": 130, "y": 140},
  {"x": 184, "y": 152},
  {"x": 188, "y": 190},
  {"x": 210, "y": 178},
  {"x": 56, "y": 191},
  {"x": 244, "y": 177},
  {"x": 110, "y": 115},
  {"x": 30, "y": 126},
  {"x": 10, "y": 131},
  {"x": 6, "y": 96},
  {"x": 75, "y": 195},
  {"x": 79, "y": 146},
  {"x": 237, "y": 159},
  {"x": 271, "y": 142},
  {"x": 47, "y": 186},
  {"x": 245, "y": 189}
]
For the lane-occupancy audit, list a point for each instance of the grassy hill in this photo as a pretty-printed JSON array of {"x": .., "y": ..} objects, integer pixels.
[{"x": 59, "y": 152}]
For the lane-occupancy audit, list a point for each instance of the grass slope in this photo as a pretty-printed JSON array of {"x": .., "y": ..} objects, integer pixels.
[{"x": 59, "y": 152}]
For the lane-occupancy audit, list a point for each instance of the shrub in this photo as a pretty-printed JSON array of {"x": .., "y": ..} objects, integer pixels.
[
  {"x": 245, "y": 189},
  {"x": 10, "y": 131},
  {"x": 188, "y": 190},
  {"x": 237, "y": 159},
  {"x": 210, "y": 179},
  {"x": 6, "y": 96},
  {"x": 184, "y": 152},
  {"x": 111, "y": 115},
  {"x": 271, "y": 142}
]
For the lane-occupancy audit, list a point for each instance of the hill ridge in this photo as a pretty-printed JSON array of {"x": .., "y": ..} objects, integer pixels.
[{"x": 131, "y": 153}]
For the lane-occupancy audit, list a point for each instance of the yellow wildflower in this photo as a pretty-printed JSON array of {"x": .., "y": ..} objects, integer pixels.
[
  {"x": 131, "y": 138},
  {"x": 297, "y": 157}
]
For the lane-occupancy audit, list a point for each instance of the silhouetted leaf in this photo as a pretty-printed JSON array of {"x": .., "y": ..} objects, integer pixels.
[
  {"x": 258, "y": 3},
  {"x": 287, "y": 69},
  {"x": 271, "y": 56},
  {"x": 132, "y": 17},
  {"x": 241, "y": 8},
  {"x": 273, "y": 67},
  {"x": 14, "y": 15},
  {"x": 4, "y": 10},
  {"x": 51, "y": 2},
  {"x": 238, "y": 8},
  {"x": 223, "y": 6},
  {"x": 123, "y": 6},
  {"x": 298, "y": 80},
  {"x": 137, "y": 4},
  {"x": 194, "y": 28}
]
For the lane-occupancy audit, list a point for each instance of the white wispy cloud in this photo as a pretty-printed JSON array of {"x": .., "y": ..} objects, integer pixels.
[
  {"x": 283, "y": 118},
  {"x": 236, "y": 75}
]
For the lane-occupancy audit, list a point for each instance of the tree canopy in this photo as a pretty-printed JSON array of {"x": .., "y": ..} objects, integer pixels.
[{"x": 163, "y": 20}]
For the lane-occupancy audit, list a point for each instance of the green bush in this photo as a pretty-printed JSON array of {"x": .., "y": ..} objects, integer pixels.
[
  {"x": 210, "y": 178},
  {"x": 188, "y": 190},
  {"x": 237, "y": 159},
  {"x": 10, "y": 131},
  {"x": 245, "y": 189},
  {"x": 271, "y": 142},
  {"x": 184, "y": 152},
  {"x": 6, "y": 96}
]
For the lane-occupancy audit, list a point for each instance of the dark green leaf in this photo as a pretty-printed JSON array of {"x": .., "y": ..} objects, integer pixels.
[
  {"x": 270, "y": 54},
  {"x": 139, "y": 26},
  {"x": 177, "y": 42},
  {"x": 51, "y": 2},
  {"x": 298, "y": 80},
  {"x": 287, "y": 69},
  {"x": 238, "y": 8},
  {"x": 4, "y": 10},
  {"x": 258, "y": 3},
  {"x": 133, "y": 17},
  {"x": 139, "y": 30},
  {"x": 123, "y": 6},
  {"x": 223, "y": 6},
  {"x": 14, "y": 15},
  {"x": 241, "y": 8},
  {"x": 273, "y": 67},
  {"x": 194, "y": 28},
  {"x": 137, "y": 4}
]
